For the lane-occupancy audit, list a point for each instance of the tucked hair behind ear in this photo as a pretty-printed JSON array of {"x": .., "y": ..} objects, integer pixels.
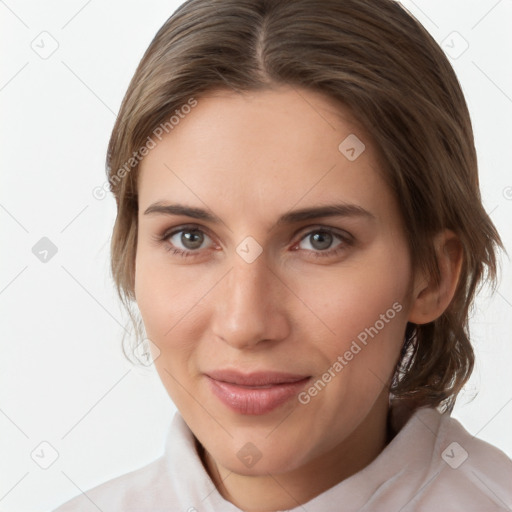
[{"x": 373, "y": 57}]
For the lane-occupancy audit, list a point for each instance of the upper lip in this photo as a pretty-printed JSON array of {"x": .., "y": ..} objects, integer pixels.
[{"x": 259, "y": 378}]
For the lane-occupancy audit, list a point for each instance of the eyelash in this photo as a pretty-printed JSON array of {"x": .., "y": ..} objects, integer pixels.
[{"x": 346, "y": 241}]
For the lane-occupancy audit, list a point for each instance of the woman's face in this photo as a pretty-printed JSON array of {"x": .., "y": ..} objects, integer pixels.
[{"x": 273, "y": 275}]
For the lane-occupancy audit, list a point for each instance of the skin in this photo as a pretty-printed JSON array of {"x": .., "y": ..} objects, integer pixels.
[{"x": 248, "y": 159}]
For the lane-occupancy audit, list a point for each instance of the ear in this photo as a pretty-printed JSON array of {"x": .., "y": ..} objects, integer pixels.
[{"x": 430, "y": 297}]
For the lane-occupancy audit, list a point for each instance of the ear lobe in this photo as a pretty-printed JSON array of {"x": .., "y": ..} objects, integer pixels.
[{"x": 430, "y": 297}]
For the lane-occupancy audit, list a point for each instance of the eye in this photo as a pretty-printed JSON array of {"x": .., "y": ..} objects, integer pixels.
[
  {"x": 324, "y": 242},
  {"x": 186, "y": 241},
  {"x": 318, "y": 240}
]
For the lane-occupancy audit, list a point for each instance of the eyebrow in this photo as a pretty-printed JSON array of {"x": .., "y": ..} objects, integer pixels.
[{"x": 332, "y": 210}]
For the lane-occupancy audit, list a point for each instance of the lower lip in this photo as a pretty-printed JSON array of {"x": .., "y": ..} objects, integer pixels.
[{"x": 254, "y": 400}]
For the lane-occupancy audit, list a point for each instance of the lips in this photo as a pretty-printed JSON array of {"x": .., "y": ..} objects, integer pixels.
[{"x": 254, "y": 393}]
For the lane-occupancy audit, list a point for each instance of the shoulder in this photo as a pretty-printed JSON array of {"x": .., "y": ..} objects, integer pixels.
[
  {"x": 141, "y": 489},
  {"x": 171, "y": 482},
  {"x": 462, "y": 450},
  {"x": 466, "y": 472}
]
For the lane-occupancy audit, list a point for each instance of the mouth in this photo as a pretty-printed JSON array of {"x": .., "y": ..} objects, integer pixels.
[{"x": 255, "y": 393}]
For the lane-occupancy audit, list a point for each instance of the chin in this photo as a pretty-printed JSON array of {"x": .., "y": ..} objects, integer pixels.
[
  {"x": 256, "y": 453},
  {"x": 272, "y": 461}
]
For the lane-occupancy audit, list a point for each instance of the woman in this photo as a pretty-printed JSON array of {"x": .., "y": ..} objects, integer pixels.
[{"x": 300, "y": 225}]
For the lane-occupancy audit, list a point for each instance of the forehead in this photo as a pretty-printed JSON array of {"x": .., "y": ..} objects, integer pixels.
[{"x": 264, "y": 152}]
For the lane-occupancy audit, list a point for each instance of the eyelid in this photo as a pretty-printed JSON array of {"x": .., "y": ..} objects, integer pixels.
[
  {"x": 341, "y": 233},
  {"x": 302, "y": 233},
  {"x": 164, "y": 237},
  {"x": 305, "y": 230},
  {"x": 184, "y": 227}
]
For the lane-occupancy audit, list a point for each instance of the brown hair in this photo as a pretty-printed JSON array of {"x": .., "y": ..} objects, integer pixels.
[{"x": 373, "y": 57}]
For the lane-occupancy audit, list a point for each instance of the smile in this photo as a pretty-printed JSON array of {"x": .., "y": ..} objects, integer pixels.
[{"x": 255, "y": 393}]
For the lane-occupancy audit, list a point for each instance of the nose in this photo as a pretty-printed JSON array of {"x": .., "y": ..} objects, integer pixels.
[{"x": 251, "y": 306}]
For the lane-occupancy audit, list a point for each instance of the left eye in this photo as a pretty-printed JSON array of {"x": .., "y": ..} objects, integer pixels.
[
  {"x": 320, "y": 240},
  {"x": 188, "y": 239}
]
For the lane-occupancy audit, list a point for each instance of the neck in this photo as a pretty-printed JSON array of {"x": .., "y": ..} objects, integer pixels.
[{"x": 285, "y": 491}]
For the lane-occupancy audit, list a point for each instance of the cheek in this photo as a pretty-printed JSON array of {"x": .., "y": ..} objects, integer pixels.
[
  {"x": 364, "y": 306},
  {"x": 174, "y": 304},
  {"x": 165, "y": 293},
  {"x": 169, "y": 299},
  {"x": 154, "y": 297}
]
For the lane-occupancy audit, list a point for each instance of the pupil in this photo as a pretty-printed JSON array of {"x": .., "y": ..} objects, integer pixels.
[
  {"x": 321, "y": 240},
  {"x": 192, "y": 239}
]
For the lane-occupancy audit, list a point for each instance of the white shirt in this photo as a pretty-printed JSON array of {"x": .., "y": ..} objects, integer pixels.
[{"x": 432, "y": 464}]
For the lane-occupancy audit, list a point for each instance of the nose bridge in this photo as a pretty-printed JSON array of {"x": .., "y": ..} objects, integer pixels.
[
  {"x": 249, "y": 309},
  {"x": 249, "y": 284}
]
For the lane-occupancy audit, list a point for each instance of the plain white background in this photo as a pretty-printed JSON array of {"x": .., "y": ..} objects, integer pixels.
[{"x": 64, "y": 379}]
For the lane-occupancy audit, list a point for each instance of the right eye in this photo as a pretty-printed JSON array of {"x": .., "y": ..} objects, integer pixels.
[{"x": 186, "y": 241}]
